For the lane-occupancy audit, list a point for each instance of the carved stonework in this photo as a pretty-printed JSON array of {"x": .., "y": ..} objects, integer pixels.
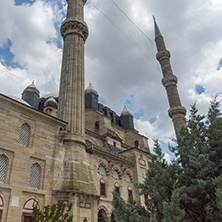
[
  {"x": 74, "y": 26},
  {"x": 161, "y": 55},
  {"x": 169, "y": 80},
  {"x": 176, "y": 110}
]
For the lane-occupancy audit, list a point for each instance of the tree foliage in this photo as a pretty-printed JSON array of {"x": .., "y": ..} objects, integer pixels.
[
  {"x": 189, "y": 189},
  {"x": 54, "y": 213}
]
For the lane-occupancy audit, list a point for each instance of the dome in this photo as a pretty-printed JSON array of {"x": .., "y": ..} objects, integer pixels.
[
  {"x": 31, "y": 88},
  {"x": 126, "y": 112},
  {"x": 51, "y": 102},
  {"x": 91, "y": 89}
]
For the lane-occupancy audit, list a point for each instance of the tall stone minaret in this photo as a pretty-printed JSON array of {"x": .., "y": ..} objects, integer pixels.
[
  {"x": 177, "y": 112},
  {"x": 77, "y": 174},
  {"x": 71, "y": 95}
]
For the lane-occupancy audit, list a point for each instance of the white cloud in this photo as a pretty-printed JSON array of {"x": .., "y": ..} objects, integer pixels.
[{"x": 118, "y": 71}]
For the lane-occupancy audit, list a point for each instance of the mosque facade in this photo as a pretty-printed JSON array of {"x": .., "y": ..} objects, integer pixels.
[{"x": 66, "y": 146}]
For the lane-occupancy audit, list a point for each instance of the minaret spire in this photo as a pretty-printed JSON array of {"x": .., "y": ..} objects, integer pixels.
[{"x": 177, "y": 112}]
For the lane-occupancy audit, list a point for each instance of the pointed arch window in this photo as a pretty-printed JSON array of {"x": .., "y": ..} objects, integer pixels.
[
  {"x": 117, "y": 188},
  {"x": 102, "y": 188},
  {"x": 102, "y": 170},
  {"x": 115, "y": 174},
  {"x": 128, "y": 179},
  {"x": 3, "y": 167},
  {"x": 24, "y": 135},
  {"x": 35, "y": 176}
]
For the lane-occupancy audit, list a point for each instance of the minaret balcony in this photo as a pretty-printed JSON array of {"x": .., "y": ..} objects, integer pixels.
[{"x": 74, "y": 26}]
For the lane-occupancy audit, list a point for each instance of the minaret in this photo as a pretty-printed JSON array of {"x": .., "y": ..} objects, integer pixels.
[
  {"x": 176, "y": 112},
  {"x": 71, "y": 95},
  {"x": 77, "y": 174}
]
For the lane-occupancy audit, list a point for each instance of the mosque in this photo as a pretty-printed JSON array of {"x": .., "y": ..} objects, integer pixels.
[{"x": 67, "y": 147}]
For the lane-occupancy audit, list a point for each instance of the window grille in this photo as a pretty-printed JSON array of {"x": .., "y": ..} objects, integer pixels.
[
  {"x": 115, "y": 174},
  {"x": 35, "y": 176},
  {"x": 3, "y": 167},
  {"x": 102, "y": 170},
  {"x": 24, "y": 135}
]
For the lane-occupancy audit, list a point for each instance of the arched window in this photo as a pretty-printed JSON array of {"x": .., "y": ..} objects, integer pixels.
[
  {"x": 115, "y": 174},
  {"x": 97, "y": 125},
  {"x": 128, "y": 179},
  {"x": 102, "y": 188},
  {"x": 3, "y": 167},
  {"x": 102, "y": 216},
  {"x": 136, "y": 143},
  {"x": 102, "y": 170},
  {"x": 1, "y": 207},
  {"x": 24, "y": 135},
  {"x": 27, "y": 215},
  {"x": 117, "y": 188},
  {"x": 130, "y": 192},
  {"x": 35, "y": 176}
]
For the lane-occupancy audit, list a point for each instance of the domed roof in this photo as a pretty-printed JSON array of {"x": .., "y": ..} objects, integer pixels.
[
  {"x": 126, "y": 112},
  {"x": 91, "y": 89},
  {"x": 51, "y": 102},
  {"x": 31, "y": 88}
]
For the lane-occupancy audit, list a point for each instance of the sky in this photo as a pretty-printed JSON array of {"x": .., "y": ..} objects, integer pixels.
[{"x": 119, "y": 60}]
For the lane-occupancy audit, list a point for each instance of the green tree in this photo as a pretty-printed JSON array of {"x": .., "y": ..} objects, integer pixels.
[
  {"x": 54, "y": 213},
  {"x": 189, "y": 189}
]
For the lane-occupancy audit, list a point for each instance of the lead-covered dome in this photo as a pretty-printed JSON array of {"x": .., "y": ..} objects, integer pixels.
[
  {"x": 51, "y": 102},
  {"x": 91, "y": 89},
  {"x": 31, "y": 88},
  {"x": 126, "y": 112}
]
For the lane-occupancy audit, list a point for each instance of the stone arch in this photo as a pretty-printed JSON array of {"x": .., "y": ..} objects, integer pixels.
[
  {"x": 130, "y": 176},
  {"x": 116, "y": 169},
  {"x": 27, "y": 209},
  {"x": 103, "y": 213},
  {"x": 106, "y": 169}
]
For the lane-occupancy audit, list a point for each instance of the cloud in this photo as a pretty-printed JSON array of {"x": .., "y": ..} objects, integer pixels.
[
  {"x": 33, "y": 36},
  {"x": 118, "y": 71}
]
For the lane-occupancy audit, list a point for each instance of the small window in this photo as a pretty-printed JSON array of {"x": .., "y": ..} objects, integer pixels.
[
  {"x": 3, "y": 168},
  {"x": 130, "y": 193},
  {"x": 97, "y": 125},
  {"x": 115, "y": 175},
  {"x": 24, "y": 135},
  {"x": 35, "y": 176},
  {"x": 48, "y": 111},
  {"x": 102, "y": 188},
  {"x": 128, "y": 178},
  {"x": 136, "y": 143},
  {"x": 117, "y": 188},
  {"x": 102, "y": 170},
  {"x": 114, "y": 144},
  {"x": 143, "y": 175}
]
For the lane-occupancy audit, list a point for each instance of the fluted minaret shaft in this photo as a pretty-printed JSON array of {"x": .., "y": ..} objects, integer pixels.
[
  {"x": 71, "y": 94},
  {"x": 177, "y": 112}
]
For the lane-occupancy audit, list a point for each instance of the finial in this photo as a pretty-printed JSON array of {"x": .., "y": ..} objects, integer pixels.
[
  {"x": 90, "y": 83},
  {"x": 154, "y": 19},
  {"x": 124, "y": 106},
  {"x": 33, "y": 82}
]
